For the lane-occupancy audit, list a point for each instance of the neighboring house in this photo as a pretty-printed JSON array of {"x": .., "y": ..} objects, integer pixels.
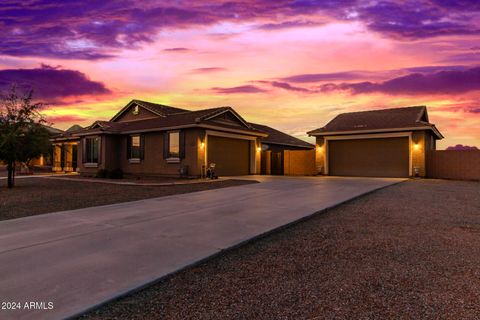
[
  {"x": 47, "y": 159},
  {"x": 273, "y": 147},
  {"x": 65, "y": 150},
  {"x": 379, "y": 143},
  {"x": 146, "y": 138}
]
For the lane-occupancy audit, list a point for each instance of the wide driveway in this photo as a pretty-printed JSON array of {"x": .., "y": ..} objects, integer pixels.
[{"x": 78, "y": 259}]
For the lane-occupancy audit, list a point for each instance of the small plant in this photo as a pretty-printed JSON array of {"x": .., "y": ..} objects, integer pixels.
[
  {"x": 102, "y": 173},
  {"x": 116, "y": 174}
]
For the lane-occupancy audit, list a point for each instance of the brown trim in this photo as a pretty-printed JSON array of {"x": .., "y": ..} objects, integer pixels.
[
  {"x": 289, "y": 144},
  {"x": 354, "y": 132},
  {"x": 232, "y": 112}
]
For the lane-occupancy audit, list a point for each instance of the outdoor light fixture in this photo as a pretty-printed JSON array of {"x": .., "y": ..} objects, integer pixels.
[
  {"x": 416, "y": 146},
  {"x": 202, "y": 145},
  {"x": 259, "y": 149},
  {"x": 319, "y": 148}
]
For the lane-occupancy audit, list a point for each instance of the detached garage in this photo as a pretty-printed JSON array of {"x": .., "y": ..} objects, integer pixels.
[{"x": 379, "y": 143}]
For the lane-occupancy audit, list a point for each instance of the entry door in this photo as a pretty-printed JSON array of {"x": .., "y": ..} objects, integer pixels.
[{"x": 277, "y": 163}]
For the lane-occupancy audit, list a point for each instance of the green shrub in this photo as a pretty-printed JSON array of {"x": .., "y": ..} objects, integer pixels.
[
  {"x": 116, "y": 174},
  {"x": 102, "y": 173}
]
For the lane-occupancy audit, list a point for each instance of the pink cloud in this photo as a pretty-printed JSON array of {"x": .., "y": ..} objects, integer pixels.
[
  {"x": 65, "y": 118},
  {"x": 239, "y": 89}
]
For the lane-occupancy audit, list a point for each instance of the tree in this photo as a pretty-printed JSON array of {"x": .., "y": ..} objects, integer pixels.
[{"x": 22, "y": 132}]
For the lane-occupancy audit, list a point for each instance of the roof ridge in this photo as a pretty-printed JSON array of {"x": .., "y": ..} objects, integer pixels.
[
  {"x": 146, "y": 103},
  {"x": 384, "y": 110}
]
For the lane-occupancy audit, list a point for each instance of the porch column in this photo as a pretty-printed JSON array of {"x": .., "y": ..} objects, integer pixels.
[
  {"x": 57, "y": 158},
  {"x": 68, "y": 157}
]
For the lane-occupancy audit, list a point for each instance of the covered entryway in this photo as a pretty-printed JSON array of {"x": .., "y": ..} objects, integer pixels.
[
  {"x": 380, "y": 157},
  {"x": 231, "y": 156}
]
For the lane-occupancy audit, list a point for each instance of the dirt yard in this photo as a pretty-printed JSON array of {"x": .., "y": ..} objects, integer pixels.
[
  {"x": 32, "y": 196},
  {"x": 410, "y": 251}
]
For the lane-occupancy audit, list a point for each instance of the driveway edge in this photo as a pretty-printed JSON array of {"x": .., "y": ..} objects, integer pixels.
[{"x": 223, "y": 252}]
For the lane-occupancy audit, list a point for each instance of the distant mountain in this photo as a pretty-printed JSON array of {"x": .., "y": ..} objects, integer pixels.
[
  {"x": 462, "y": 147},
  {"x": 75, "y": 127}
]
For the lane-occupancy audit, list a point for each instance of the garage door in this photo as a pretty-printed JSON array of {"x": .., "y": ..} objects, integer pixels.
[
  {"x": 387, "y": 157},
  {"x": 231, "y": 156}
]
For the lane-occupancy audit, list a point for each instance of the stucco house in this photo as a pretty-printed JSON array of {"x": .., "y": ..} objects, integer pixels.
[
  {"x": 146, "y": 138},
  {"x": 379, "y": 143}
]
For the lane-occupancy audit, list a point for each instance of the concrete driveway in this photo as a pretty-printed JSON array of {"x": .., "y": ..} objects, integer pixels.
[{"x": 78, "y": 259}]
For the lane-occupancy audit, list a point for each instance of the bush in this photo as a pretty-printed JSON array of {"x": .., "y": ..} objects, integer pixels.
[
  {"x": 102, "y": 173},
  {"x": 116, "y": 174}
]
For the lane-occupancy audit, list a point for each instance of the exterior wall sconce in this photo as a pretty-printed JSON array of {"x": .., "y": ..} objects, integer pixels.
[
  {"x": 416, "y": 146},
  {"x": 259, "y": 149},
  {"x": 202, "y": 145},
  {"x": 319, "y": 148}
]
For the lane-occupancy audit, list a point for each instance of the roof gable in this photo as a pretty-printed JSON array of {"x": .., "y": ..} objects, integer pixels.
[
  {"x": 139, "y": 110},
  {"x": 227, "y": 116}
]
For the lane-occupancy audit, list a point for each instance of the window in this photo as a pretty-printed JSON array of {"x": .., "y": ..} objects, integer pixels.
[
  {"x": 174, "y": 144},
  {"x": 92, "y": 149},
  {"x": 135, "y": 147}
]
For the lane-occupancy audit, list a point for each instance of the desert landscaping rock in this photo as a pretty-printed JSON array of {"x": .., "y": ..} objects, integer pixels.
[{"x": 409, "y": 251}]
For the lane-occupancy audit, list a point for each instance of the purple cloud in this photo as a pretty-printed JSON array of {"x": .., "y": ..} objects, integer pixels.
[
  {"x": 98, "y": 29},
  {"x": 288, "y": 25},
  {"x": 417, "y": 19},
  {"x": 442, "y": 82},
  {"x": 334, "y": 76},
  {"x": 178, "y": 49},
  {"x": 51, "y": 83},
  {"x": 239, "y": 89},
  {"x": 287, "y": 86},
  {"x": 463, "y": 58},
  {"x": 363, "y": 75}
]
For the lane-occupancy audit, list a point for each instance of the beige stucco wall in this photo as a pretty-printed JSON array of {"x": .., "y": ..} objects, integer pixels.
[
  {"x": 258, "y": 156},
  {"x": 418, "y": 149},
  {"x": 320, "y": 150}
]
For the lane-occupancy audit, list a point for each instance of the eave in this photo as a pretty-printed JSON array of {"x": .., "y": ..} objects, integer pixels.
[{"x": 330, "y": 133}]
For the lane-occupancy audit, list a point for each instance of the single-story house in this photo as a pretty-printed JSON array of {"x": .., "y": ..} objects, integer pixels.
[
  {"x": 378, "y": 143},
  {"x": 273, "y": 148},
  {"x": 146, "y": 138}
]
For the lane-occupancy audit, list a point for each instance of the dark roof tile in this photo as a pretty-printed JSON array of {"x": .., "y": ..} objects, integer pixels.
[
  {"x": 377, "y": 119},
  {"x": 280, "y": 138}
]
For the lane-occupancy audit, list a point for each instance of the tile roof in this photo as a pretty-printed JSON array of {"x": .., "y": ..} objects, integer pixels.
[
  {"x": 188, "y": 118},
  {"x": 280, "y": 138},
  {"x": 397, "y": 118},
  {"x": 159, "y": 108}
]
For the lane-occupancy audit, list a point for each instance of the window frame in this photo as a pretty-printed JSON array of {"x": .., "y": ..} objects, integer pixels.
[
  {"x": 134, "y": 148},
  {"x": 90, "y": 149},
  {"x": 173, "y": 155}
]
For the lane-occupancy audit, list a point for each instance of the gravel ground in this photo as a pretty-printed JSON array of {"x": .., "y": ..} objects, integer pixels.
[
  {"x": 32, "y": 196},
  {"x": 409, "y": 251}
]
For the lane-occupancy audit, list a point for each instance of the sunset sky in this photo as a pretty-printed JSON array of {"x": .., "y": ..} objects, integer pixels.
[{"x": 292, "y": 65}]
